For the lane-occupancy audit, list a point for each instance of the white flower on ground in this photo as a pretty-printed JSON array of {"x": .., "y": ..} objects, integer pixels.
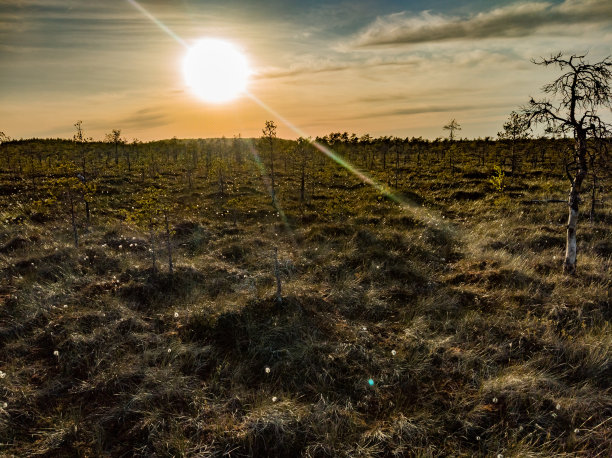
[
  {"x": 169, "y": 350},
  {"x": 274, "y": 399},
  {"x": 176, "y": 315},
  {"x": 576, "y": 431},
  {"x": 494, "y": 400},
  {"x": 2, "y": 374},
  {"x": 267, "y": 370},
  {"x": 558, "y": 406},
  {"x": 56, "y": 353},
  {"x": 393, "y": 352}
]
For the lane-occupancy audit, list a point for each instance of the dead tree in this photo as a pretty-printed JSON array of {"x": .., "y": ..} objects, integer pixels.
[
  {"x": 269, "y": 138},
  {"x": 577, "y": 95}
]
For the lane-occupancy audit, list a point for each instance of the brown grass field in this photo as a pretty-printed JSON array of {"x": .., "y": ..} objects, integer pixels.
[{"x": 433, "y": 320}]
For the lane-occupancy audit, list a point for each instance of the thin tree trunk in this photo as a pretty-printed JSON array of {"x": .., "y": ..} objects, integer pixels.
[
  {"x": 152, "y": 249},
  {"x": 272, "y": 174},
  {"x": 569, "y": 264},
  {"x": 169, "y": 246},
  {"x": 279, "y": 297},
  {"x": 302, "y": 183},
  {"x": 73, "y": 217},
  {"x": 593, "y": 192}
]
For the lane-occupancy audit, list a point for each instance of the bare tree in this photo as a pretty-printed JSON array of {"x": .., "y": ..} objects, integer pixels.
[
  {"x": 452, "y": 126},
  {"x": 115, "y": 137},
  {"x": 269, "y": 138},
  {"x": 515, "y": 130},
  {"x": 577, "y": 95},
  {"x": 80, "y": 139}
]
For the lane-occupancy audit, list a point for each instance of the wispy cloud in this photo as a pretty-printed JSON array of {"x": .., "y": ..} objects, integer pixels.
[
  {"x": 516, "y": 20},
  {"x": 142, "y": 118},
  {"x": 424, "y": 109},
  {"x": 315, "y": 67}
]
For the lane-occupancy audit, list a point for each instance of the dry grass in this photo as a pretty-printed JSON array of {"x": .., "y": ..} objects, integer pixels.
[{"x": 455, "y": 310}]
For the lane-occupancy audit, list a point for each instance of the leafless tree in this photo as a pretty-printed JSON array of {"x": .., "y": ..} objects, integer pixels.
[
  {"x": 269, "y": 138},
  {"x": 452, "y": 126},
  {"x": 115, "y": 137},
  {"x": 576, "y": 96},
  {"x": 515, "y": 130}
]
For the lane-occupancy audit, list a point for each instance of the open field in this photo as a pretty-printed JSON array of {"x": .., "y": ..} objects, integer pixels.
[{"x": 430, "y": 320}]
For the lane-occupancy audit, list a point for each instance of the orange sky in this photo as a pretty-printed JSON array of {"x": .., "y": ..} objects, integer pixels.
[{"x": 382, "y": 67}]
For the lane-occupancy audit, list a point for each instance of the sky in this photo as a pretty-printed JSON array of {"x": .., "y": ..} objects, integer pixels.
[{"x": 383, "y": 67}]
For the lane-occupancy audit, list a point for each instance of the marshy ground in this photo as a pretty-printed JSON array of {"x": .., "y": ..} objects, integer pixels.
[{"x": 453, "y": 305}]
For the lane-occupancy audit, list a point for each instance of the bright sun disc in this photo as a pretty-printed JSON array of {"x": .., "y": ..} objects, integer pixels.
[{"x": 215, "y": 70}]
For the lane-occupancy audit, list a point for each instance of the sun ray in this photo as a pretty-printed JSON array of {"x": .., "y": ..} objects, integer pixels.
[
  {"x": 157, "y": 22},
  {"x": 418, "y": 211}
]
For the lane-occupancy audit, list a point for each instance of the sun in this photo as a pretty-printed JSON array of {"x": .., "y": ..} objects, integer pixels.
[{"x": 216, "y": 70}]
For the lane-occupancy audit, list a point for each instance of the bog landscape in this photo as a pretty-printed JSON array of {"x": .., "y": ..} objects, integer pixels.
[{"x": 276, "y": 294}]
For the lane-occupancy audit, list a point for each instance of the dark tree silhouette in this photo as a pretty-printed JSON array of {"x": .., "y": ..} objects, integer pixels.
[
  {"x": 577, "y": 95},
  {"x": 269, "y": 138},
  {"x": 515, "y": 130},
  {"x": 452, "y": 126}
]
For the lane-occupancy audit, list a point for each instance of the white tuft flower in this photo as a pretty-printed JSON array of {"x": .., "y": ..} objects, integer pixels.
[
  {"x": 494, "y": 400},
  {"x": 274, "y": 399},
  {"x": 477, "y": 438},
  {"x": 2, "y": 374},
  {"x": 576, "y": 431},
  {"x": 393, "y": 352},
  {"x": 267, "y": 370},
  {"x": 169, "y": 350},
  {"x": 558, "y": 407},
  {"x": 56, "y": 353},
  {"x": 175, "y": 314},
  {"x": 120, "y": 247},
  {"x": 65, "y": 306}
]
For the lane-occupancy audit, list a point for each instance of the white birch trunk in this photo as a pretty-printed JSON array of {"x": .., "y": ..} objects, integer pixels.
[{"x": 569, "y": 264}]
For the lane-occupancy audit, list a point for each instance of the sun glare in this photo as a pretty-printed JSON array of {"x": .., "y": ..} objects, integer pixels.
[{"x": 216, "y": 70}]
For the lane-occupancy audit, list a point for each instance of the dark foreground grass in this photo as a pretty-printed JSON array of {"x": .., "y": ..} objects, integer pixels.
[{"x": 442, "y": 329}]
